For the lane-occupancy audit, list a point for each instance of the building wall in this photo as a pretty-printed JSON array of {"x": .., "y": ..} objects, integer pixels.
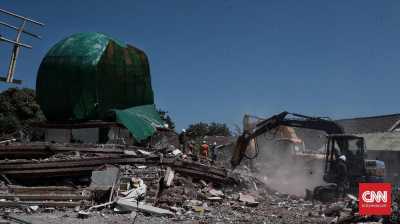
[
  {"x": 58, "y": 135},
  {"x": 385, "y": 146},
  {"x": 391, "y": 159}
]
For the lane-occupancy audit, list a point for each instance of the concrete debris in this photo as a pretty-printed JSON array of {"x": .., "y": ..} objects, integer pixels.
[
  {"x": 83, "y": 214},
  {"x": 138, "y": 190},
  {"x": 214, "y": 198},
  {"x": 151, "y": 185},
  {"x": 143, "y": 152},
  {"x": 131, "y": 205},
  {"x": 3, "y": 221},
  {"x": 13, "y": 218},
  {"x": 203, "y": 183},
  {"x": 130, "y": 153},
  {"x": 133, "y": 215},
  {"x": 105, "y": 177},
  {"x": 34, "y": 208},
  {"x": 177, "y": 210},
  {"x": 191, "y": 203},
  {"x": 216, "y": 193},
  {"x": 8, "y": 141},
  {"x": 248, "y": 199},
  {"x": 169, "y": 177},
  {"x": 176, "y": 152}
]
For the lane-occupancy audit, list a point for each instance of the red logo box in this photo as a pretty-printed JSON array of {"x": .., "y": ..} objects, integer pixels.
[{"x": 375, "y": 198}]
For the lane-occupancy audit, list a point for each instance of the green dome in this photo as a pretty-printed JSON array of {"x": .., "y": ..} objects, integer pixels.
[{"x": 87, "y": 74}]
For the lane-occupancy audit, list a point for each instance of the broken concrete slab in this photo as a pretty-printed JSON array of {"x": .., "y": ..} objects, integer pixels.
[
  {"x": 216, "y": 193},
  {"x": 131, "y": 205},
  {"x": 145, "y": 153},
  {"x": 16, "y": 219},
  {"x": 139, "y": 190},
  {"x": 169, "y": 177},
  {"x": 248, "y": 200},
  {"x": 130, "y": 153},
  {"x": 104, "y": 178},
  {"x": 214, "y": 198},
  {"x": 83, "y": 214},
  {"x": 203, "y": 183},
  {"x": 191, "y": 203},
  {"x": 177, "y": 152},
  {"x": 33, "y": 208}
]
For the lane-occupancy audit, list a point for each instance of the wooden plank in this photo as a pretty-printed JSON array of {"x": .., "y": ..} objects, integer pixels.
[
  {"x": 43, "y": 197},
  {"x": 60, "y": 171},
  {"x": 57, "y": 204},
  {"x": 41, "y": 190},
  {"x": 70, "y": 163}
]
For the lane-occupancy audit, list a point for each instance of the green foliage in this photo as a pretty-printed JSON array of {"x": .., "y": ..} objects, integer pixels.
[
  {"x": 202, "y": 129},
  {"x": 18, "y": 108},
  {"x": 166, "y": 118}
]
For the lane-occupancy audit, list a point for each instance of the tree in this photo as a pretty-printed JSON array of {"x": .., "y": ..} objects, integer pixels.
[
  {"x": 166, "y": 118},
  {"x": 18, "y": 108},
  {"x": 202, "y": 129}
]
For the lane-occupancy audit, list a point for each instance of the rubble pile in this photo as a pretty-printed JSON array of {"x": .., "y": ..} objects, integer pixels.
[
  {"x": 39, "y": 177},
  {"x": 113, "y": 184}
]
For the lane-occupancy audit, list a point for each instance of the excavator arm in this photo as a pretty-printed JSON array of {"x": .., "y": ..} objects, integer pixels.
[{"x": 285, "y": 119}]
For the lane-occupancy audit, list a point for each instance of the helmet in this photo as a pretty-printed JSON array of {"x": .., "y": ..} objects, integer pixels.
[
  {"x": 214, "y": 143},
  {"x": 343, "y": 157},
  {"x": 204, "y": 142},
  {"x": 183, "y": 130}
]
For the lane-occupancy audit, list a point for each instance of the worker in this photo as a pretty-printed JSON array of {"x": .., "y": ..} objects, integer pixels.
[
  {"x": 204, "y": 149},
  {"x": 182, "y": 141},
  {"x": 213, "y": 152},
  {"x": 341, "y": 175},
  {"x": 196, "y": 151}
]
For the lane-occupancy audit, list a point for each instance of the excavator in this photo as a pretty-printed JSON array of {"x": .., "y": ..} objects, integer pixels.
[{"x": 338, "y": 143}]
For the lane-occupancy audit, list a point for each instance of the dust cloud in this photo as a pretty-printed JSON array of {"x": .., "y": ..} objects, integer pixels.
[{"x": 283, "y": 168}]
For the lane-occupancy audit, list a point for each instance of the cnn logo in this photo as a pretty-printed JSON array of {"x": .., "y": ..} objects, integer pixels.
[{"x": 374, "y": 198}]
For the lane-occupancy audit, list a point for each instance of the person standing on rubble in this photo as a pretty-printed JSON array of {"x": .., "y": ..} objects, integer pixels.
[
  {"x": 204, "y": 150},
  {"x": 182, "y": 141},
  {"x": 342, "y": 175},
  {"x": 196, "y": 151},
  {"x": 213, "y": 152}
]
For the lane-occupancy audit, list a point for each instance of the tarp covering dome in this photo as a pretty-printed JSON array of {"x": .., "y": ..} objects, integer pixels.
[{"x": 86, "y": 75}]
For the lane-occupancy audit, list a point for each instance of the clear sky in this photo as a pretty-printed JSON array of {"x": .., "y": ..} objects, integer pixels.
[{"x": 214, "y": 60}]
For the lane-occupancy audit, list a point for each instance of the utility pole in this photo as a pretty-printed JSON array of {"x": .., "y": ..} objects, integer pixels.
[{"x": 16, "y": 42}]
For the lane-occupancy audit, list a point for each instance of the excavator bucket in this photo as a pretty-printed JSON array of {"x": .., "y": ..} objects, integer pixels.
[{"x": 239, "y": 151}]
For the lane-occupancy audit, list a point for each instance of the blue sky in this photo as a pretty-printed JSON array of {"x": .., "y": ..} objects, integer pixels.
[{"x": 216, "y": 60}]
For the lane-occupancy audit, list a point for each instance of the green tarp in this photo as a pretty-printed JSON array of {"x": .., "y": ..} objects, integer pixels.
[
  {"x": 141, "y": 121},
  {"x": 87, "y": 74}
]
